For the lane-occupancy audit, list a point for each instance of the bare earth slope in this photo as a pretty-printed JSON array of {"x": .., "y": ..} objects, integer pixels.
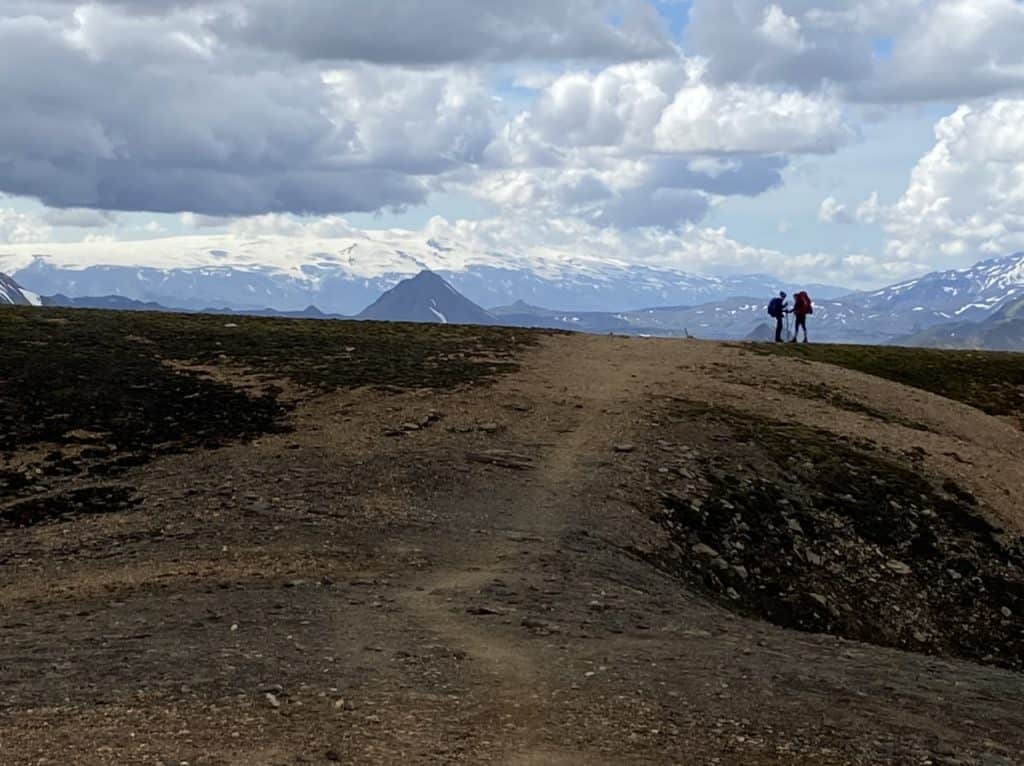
[{"x": 506, "y": 582}]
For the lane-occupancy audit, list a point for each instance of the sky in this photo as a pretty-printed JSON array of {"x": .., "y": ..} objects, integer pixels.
[{"x": 856, "y": 142}]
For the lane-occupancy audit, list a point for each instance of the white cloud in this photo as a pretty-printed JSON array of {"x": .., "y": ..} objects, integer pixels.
[
  {"x": 966, "y": 196},
  {"x": 870, "y": 211},
  {"x": 831, "y": 211},
  {"x": 955, "y": 49},
  {"x": 200, "y": 221},
  {"x": 667, "y": 106},
  {"x": 651, "y": 144},
  {"x": 283, "y": 225},
  {"x": 801, "y": 42},
  {"x": 940, "y": 49},
  {"x": 781, "y": 30},
  {"x": 17, "y": 227}
]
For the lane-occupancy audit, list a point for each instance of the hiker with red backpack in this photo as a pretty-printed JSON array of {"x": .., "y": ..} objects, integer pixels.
[
  {"x": 802, "y": 308},
  {"x": 777, "y": 310}
]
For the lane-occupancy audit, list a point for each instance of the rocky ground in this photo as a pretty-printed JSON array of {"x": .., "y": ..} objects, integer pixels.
[{"x": 573, "y": 550}]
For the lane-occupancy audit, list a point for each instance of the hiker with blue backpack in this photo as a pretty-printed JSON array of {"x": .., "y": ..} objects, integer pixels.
[{"x": 777, "y": 310}]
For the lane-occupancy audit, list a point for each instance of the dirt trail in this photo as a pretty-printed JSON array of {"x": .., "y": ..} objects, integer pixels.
[
  {"x": 338, "y": 595},
  {"x": 540, "y": 512}
]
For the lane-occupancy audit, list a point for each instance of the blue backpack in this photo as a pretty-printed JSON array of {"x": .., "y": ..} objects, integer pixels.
[{"x": 775, "y": 308}]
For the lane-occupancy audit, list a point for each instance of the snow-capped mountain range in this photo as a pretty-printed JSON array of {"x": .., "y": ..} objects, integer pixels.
[
  {"x": 970, "y": 295},
  {"x": 343, "y": 275}
]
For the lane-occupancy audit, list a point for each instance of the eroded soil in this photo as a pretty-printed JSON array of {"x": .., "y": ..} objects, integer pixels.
[{"x": 500, "y": 568}]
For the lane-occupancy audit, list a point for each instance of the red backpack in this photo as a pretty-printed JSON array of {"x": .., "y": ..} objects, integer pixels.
[{"x": 802, "y": 304}]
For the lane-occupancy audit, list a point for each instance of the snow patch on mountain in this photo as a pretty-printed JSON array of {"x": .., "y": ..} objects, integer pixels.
[{"x": 13, "y": 294}]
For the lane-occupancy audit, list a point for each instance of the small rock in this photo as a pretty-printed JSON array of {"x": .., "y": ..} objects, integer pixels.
[
  {"x": 733, "y": 594},
  {"x": 272, "y": 700},
  {"x": 720, "y": 564},
  {"x": 819, "y": 599},
  {"x": 954, "y": 575},
  {"x": 489, "y": 428},
  {"x": 898, "y": 567},
  {"x": 484, "y": 611},
  {"x": 1007, "y": 612},
  {"x": 814, "y": 559},
  {"x": 539, "y": 626},
  {"x": 921, "y": 638},
  {"x": 624, "y": 448},
  {"x": 408, "y": 427},
  {"x": 741, "y": 572},
  {"x": 705, "y": 551},
  {"x": 332, "y": 756},
  {"x": 794, "y": 526}
]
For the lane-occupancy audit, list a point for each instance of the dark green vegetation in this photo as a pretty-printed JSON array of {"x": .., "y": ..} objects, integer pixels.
[
  {"x": 819, "y": 534},
  {"x": 101, "y": 384},
  {"x": 989, "y": 380}
]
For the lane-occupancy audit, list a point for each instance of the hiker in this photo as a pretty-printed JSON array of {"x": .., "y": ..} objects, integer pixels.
[
  {"x": 802, "y": 308},
  {"x": 777, "y": 310}
]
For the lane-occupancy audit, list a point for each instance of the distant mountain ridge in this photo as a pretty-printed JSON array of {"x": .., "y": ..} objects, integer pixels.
[
  {"x": 344, "y": 274},
  {"x": 1003, "y": 331},
  {"x": 984, "y": 298},
  {"x": 881, "y": 316}
]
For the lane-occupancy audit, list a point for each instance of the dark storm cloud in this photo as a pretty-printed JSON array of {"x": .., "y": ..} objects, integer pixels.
[
  {"x": 444, "y": 31},
  {"x": 135, "y": 113}
]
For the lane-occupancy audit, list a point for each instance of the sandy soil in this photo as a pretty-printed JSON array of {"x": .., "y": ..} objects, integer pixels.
[{"x": 475, "y": 591}]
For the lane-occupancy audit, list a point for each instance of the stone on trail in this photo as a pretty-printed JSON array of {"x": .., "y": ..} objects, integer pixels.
[
  {"x": 898, "y": 567},
  {"x": 705, "y": 551}
]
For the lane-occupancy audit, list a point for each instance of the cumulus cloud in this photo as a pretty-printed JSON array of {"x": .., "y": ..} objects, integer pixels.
[
  {"x": 652, "y": 144},
  {"x": 940, "y": 49},
  {"x": 446, "y": 31},
  {"x": 411, "y": 32},
  {"x": 667, "y": 106},
  {"x": 17, "y": 227},
  {"x": 110, "y": 111},
  {"x": 870, "y": 211},
  {"x": 801, "y": 42},
  {"x": 966, "y": 196},
  {"x": 955, "y": 49},
  {"x": 831, "y": 211}
]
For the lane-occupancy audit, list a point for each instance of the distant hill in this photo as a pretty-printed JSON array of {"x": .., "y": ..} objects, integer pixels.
[
  {"x": 110, "y": 302},
  {"x": 1003, "y": 331},
  {"x": 426, "y": 298},
  {"x": 763, "y": 333},
  {"x": 13, "y": 294}
]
